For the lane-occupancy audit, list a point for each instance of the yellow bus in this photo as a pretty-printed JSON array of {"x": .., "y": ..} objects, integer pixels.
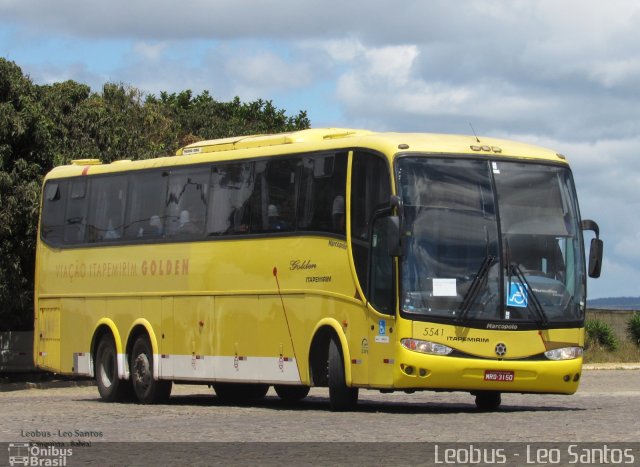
[{"x": 331, "y": 258}]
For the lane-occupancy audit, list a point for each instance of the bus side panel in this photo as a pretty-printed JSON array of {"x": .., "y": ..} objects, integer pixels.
[
  {"x": 167, "y": 339},
  {"x": 382, "y": 338},
  {"x": 193, "y": 337},
  {"x": 75, "y": 338},
  {"x": 47, "y": 335},
  {"x": 274, "y": 343},
  {"x": 236, "y": 318},
  {"x": 254, "y": 340},
  {"x": 355, "y": 316},
  {"x": 359, "y": 343}
]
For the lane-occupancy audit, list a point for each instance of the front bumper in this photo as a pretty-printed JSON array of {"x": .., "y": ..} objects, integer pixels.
[{"x": 414, "y": 370}]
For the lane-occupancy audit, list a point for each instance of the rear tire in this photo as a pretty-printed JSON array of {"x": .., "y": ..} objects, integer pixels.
[
  {"x": 341, "y": 397},
  {"x": 291, "y": 393},
  {"x": 147, "y": 389},
  {"x": 488, "y": 400},
  {"x": 238, "y": 393},
  {"x": 110, "y": 387}
]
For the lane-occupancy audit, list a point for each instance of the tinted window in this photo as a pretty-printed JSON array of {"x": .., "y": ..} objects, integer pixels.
[
  {"x": 253, "y": 197},
  {"x": 75, "y": 218},
  {"x": 281, "y": 194},
  {"x": 53, "y": 211},
  {"x": 381, "y": 270},
  {"x": 106, "y": 208},
  {"x": 145, "y": 205},
  {"x": 232, "y": 186},
  {"x": 274, "y": 209},
  {"x": 322, "y": 193},
  {"x": 186, "y": 204},
  {"x": 370, "y": 190}
]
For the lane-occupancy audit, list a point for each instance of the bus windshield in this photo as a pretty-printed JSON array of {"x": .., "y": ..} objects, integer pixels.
[{"x": 490, "y": 241}]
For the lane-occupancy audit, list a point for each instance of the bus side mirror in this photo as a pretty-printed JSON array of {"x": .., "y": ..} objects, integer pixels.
[
  {"x": 392, "y": 232},
  {"x": 595, "y": 250},
  {"x": 595, "y": 257}
]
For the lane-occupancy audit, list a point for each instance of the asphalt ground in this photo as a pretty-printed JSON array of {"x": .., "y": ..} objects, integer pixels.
[
  {"x": 425, "y": 428},
  {"x": 22, "y": 381}
]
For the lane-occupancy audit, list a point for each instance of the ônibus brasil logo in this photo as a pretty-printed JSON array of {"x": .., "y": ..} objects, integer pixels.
[{"x": 32, "y": 454}]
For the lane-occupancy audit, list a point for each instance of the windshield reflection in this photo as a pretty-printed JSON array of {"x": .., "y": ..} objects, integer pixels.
[{"x": 489, "y": 241}]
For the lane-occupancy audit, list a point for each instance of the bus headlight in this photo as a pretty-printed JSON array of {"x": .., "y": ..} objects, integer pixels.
[
  {"x": 566, "y": 353},
  {"x": 426, "y": 347}
]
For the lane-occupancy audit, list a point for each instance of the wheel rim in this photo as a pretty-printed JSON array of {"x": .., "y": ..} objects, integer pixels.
[{"x": 142, "y": 372}]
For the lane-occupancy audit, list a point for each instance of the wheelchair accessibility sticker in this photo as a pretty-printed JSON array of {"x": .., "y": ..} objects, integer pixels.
[
  {"x": 517, "y": 295},
  {"x": 382, "y": 337}
]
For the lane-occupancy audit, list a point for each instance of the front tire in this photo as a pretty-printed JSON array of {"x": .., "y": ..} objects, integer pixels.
[
  {"x": 110, "y": 387},
  {"x": 341, "y": 397},
  {"x": 147, "y": 389}
]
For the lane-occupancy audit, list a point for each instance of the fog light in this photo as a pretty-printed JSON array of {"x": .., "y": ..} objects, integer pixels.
[
  {"x": 409, "y": 370},
  {"x": 576, "y": 377},
  {"x": 422, "y": 372},
  {"x": 566, "y": 378}
]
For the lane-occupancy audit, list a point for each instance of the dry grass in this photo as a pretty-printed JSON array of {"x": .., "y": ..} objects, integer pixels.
[{"x": 627, "y": 352}]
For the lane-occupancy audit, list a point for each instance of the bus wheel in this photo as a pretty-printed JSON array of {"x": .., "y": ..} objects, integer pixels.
[
  {"x": 341, "y": 397},
  {"x": 238, "y": 393},
  {"x": 291, "y": 393},
  {"x": 488, "y": 400},
  {"x": 147, "y": 389},
  {"x": 110, "y": 387}
]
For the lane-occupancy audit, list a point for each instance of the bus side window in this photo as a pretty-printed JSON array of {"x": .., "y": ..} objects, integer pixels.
[
  {"x": 370, "y": 190},
  {"x": 187, "y": 199},
  {"x": 277, "y": 198},
  {"x": 322, "y": 193},
  {"x": 232, "y": 185},
  {"x": 53, "y": 210},
  {"x": 76, "y": 213},
  {"x": 145, "y": 205},
  {"x": 106, "y": 208}
]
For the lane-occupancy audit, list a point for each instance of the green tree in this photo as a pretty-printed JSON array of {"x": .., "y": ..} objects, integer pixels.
[
  {"x": 49, "y": 125},
  {"x": 115, "y": 124},
  {"x": 24, "y": 151},
  {"x": 202, "y": 117},
  {"x": 24, "y": 133}
]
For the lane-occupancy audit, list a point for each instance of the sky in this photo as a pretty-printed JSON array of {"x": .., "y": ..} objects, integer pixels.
[{"x": 564, "y": 74}]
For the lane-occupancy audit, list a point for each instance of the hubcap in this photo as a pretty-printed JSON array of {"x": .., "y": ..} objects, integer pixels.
[{"x": 142, "y": 371}]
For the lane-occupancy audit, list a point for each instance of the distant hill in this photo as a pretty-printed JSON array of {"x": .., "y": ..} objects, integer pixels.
[{"x": 615, "y": 303}]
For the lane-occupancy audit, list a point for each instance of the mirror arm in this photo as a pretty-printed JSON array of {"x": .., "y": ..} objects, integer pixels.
[
  {"x": 396, "y": 202},
  {"x": 588, "y": 224}
]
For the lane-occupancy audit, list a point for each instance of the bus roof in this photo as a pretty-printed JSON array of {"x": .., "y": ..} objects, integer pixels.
[{"x": 240, "y": 147}]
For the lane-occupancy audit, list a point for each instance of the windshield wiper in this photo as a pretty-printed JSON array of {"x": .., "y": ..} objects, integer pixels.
[
  {"x": 475, "y": 287},
  {"x": 537, "y": 308}
]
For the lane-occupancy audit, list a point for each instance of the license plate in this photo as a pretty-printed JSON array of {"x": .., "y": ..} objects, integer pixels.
[{"x": 499, "y": 375}]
